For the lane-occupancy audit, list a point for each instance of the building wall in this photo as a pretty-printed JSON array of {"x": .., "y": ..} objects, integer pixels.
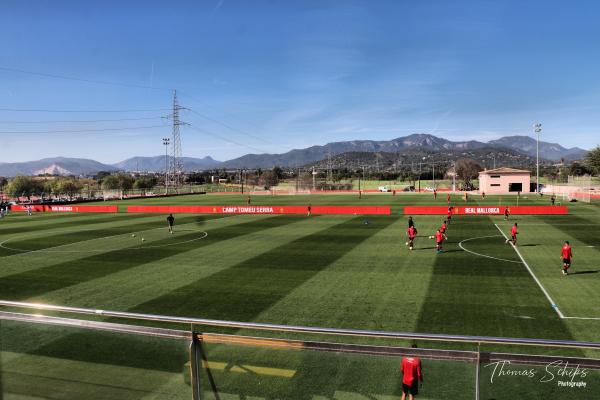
[{"x": 500, "y": 183}]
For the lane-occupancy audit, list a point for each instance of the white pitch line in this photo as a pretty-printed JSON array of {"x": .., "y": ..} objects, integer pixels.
[
  {"x": 584, "y": 318},
  {"x": 484, "y": 255},
  {"x": 552, "y": 303}
]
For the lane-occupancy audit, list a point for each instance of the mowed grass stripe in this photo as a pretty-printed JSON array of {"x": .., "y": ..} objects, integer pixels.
[
  {"x": 26, "y": 261},
  {"x": 31, "y": 285},
  {"x": 38, "y": 223},
  {"x": 52, "y": 240},
  {"x": 243, "y": 291},
  {"x": 480, "y": 296},
  {"x": 142, "y": 283},
  {"x": 377, "y": 285}
]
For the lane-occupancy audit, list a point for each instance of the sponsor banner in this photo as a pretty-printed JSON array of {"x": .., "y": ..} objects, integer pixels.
[
  {"x": 383, "y": 210},
  {"x": 68, "y": 208},
  {"x": 487, "y": 210}
]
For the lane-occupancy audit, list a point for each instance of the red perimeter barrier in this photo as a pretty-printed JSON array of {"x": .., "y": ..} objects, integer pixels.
[
  {"x": 487, "y": 210},
  {"x": 66, "y": 208},
  {"x": 383, "y": 210}
]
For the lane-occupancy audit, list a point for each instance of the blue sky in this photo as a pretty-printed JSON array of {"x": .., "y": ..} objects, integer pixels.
[{"x": 268, "y": 76}]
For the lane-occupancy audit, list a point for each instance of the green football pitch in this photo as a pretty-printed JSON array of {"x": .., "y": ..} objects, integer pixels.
[{"x": 327, "y": 271}]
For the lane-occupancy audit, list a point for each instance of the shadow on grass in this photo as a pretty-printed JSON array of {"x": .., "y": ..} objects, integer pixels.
[{"x": 585, "y": 272}]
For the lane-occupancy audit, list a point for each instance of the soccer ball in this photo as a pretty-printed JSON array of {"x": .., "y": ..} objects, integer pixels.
[
  {"x": 133, "y": 235},
  {"x": 143, "y": 240},
  {"x": 406, "y": 243}
]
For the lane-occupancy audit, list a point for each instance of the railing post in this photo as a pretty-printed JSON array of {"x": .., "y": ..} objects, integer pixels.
[
  {"x": 1, "y": 365},
  {"x": 477, "y": 372},
  {"x": 195, "y": 366}
]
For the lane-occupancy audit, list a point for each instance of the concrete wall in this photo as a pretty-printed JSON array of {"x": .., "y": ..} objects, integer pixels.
[{"x": 500, "y": 183}]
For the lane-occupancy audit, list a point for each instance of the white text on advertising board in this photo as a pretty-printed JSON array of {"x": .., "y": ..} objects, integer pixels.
[
  {"x": 482, "y": 210},
  {"x": 248, "y": 210}
]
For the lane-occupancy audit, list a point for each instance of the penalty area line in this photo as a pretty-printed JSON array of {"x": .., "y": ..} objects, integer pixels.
[{"x": 552, "y": 302}]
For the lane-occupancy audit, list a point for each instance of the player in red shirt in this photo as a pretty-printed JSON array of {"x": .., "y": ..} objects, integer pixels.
[
  {"x": 450, "y": 209},
  {"x": 513, "y": 235},
  {"x": 411, "y": 376},
  {"x": 448, "y": 198},
  {"x": 439, "y": 240},
  {"x": 566, "y": 254},
  {"x": 434, "y": 194},
  {"x": 443, "y": 230},
  {"x": 412, "y": 234},
  {"x": 506, "y": 213}
]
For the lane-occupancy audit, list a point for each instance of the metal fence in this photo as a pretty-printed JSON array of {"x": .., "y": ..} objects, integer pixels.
[{"x": 207, "y": 377}]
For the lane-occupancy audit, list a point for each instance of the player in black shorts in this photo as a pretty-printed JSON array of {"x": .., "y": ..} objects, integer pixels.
[{"x": 171, "y": 221}]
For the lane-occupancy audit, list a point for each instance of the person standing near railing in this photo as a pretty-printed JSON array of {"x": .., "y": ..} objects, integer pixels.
[{"x": 411, "y": 376}]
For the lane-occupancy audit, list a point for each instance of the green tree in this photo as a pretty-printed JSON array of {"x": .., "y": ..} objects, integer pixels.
[
  {"x": 578, "y": 169},
  {"x": 3, "y": 182},
  {"x": 117, "y": 181},
  {"x": 68, "y": 186},
  {"x": 24, "y": 186},
  {"x": 592, "y": 160},
  {"x": 145, "y": 182},
  {"x": 467, "y": 170}
]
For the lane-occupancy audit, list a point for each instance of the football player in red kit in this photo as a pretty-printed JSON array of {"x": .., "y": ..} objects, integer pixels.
[
  {"x": 411, "y": 376},
  {"x": 513, "y": 234},
  {"x": 566, "y": 254},
  {"x": 439, "y": 240},
  {"x": 443, "y": 230},
  {"x": 412, "y": 234}
]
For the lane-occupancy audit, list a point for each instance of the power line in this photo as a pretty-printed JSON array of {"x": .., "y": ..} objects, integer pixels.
[
  {"x": 223, "y": 124},
  {"x": 72, "y": 78},
  {"x": 205, "y": 132},
  {"x": 80, "y": 111},
  {"x": 78, "y": 121},
  {"x": 81, "y": 130}
]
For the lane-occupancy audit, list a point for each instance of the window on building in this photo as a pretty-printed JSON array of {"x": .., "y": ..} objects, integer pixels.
[
  {"x": 494, "y": 176},
  {"x": 495, "y": 184}
]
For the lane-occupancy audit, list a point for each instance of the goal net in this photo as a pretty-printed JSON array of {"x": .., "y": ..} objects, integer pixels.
[{"x": 580, "y": 188}]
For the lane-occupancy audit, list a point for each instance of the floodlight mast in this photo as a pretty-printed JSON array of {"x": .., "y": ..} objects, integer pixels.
[
  {"x": 166, "y": 142},
  {"x": 538, "y": 129}
]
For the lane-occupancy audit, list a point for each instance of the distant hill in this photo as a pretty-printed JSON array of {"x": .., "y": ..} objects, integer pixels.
[
  {"x": 515, "y": 150},
  {"x": 55, "y": 166},
  {"x": 424, "y": 142},
  {"x": 311, "y": 154},
  {"x": 487, "y": 157},
  {"x": 550, "y": 151},
  {"x": 157, "y": 164}
]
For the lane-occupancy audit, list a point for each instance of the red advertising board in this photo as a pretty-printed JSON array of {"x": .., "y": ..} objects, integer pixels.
[
  {"x": 74, "y": 208},
  {"x": 487, "y": 210},
  {"x": 382, "y": 210}
]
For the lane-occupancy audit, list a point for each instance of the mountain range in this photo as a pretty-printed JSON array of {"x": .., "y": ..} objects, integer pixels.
[{"x": 524, "y": 146}]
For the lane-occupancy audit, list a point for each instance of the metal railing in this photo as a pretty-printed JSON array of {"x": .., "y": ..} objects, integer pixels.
[{"x": 196, "y": 339}]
